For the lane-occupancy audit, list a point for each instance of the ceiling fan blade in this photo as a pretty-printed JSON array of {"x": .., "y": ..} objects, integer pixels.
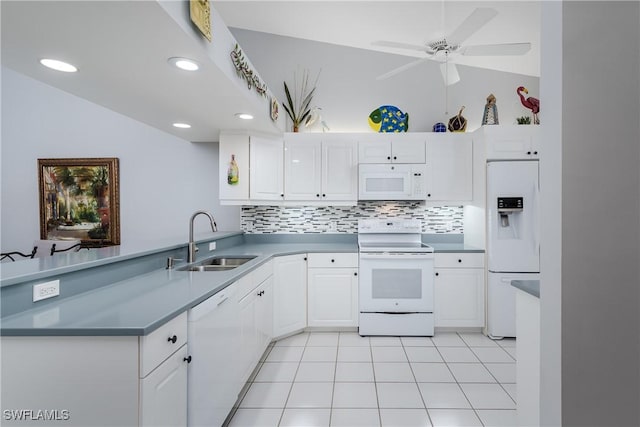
[
  {"x": 473, "y": 23},
  {"x": 397, "y": 45},
  {"x": 401, "y": 69},
  {"x": 449, "y": 73},
  {"x": 496, "y": 49}
]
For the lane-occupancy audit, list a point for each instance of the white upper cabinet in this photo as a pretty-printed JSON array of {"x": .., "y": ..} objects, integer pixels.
[
  {"x": 392, "y": 148},
  {"x": 320, "y": 168},
  {"x": 511, "y": 141},
  {"x": 266, "y": 169},
  {"x": 450, "y": 166},
  {"x": 339, "y": 169},
  {"x": 303, "y": 167}
]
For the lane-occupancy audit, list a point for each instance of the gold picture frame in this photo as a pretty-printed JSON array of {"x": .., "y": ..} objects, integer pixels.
[
  {"x": 200, "y": 11},
  {"x": 79, "y": 199}
]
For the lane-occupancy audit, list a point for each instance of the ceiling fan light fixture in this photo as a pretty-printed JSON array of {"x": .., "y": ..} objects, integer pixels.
[
  {"x": 449, "y": 73},
  {"x": 185, "y": 64},
  {"x": 58, "y": 65}
]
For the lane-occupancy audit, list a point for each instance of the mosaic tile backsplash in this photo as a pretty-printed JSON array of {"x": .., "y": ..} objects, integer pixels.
[{"x": 344, "y": 219}]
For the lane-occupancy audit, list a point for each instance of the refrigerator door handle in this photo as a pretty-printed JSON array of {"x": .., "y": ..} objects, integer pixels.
[{"x": 536, "y": 220}]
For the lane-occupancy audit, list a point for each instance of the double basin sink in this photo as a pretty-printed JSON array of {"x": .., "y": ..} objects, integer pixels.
[{"x": 218, "y": 263}]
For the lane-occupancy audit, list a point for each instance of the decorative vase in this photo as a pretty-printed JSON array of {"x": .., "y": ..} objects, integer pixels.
[{"x": 295, "y": 128}]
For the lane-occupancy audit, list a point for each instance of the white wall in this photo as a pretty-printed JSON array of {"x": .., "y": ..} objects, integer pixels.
[
  {"x": 600, "y": 211},
  {"x": 347, "y": 90},
  {"x": 551, "y": 207},
  {"x": 163, "y": 179}
]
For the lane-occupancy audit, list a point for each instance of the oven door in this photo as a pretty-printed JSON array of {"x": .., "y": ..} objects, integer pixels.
[{"x": 396, "y": 282}]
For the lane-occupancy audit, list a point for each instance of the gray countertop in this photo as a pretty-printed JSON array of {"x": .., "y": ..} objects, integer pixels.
[
  {"x": 532, "y": 287},
  {"x": 24, "y": 270},
  {"x": 453, "y": 247},
  {"x": 141, "y": 304}
]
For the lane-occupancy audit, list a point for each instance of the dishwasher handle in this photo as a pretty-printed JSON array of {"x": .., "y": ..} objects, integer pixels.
[{"x": 209, "y": 305}]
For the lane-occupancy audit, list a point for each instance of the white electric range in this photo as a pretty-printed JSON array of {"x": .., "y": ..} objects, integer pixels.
[{"x": 396, "y": 278}]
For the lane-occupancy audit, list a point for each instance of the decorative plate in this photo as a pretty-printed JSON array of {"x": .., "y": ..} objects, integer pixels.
[{"x": 388, "y": 118}]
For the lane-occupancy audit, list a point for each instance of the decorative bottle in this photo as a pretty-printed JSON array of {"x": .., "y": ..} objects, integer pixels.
[{"x": 232, "y": 172}]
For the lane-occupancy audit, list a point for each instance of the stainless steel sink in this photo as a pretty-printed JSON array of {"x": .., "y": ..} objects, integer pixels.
[{"x": 218, "y": 263}]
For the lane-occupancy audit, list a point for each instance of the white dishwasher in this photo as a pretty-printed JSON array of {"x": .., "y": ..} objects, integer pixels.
[{"x": 214, "y": 375}]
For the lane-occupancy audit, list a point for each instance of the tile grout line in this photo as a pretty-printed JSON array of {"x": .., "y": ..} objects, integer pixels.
[
  {"x": 416, "y": 382},
  {"x": 293, "y": 380}
]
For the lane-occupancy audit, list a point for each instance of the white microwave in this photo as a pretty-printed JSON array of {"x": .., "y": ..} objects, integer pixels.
[{"x": 392, "y": 182}]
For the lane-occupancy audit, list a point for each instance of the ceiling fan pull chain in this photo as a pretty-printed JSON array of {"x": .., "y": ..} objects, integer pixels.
[{"x": 446, "y": 84}]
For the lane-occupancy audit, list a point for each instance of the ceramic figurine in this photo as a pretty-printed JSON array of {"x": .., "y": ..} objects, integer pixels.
[
  {"x": 531, "y": 103},
  {"x": 490, "y": 116},
  {"x": 458, "y": 123}
]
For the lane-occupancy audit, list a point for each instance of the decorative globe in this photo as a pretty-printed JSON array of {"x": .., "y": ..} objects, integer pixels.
[{"x": 439, "y": 127}]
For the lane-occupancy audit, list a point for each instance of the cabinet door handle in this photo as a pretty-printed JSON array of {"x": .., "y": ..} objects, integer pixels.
[
  {"x": 395, "y": 158},
  {"x": 529, "y": 153},
  {"x": 459, "y": 260},
  {"x": 324, "y": 195},
  {"x": 260, "y": 293},
  {"x": 318, "y": 195},
  {"x": 281, "y": 194},
  {"x": 333, "y": 260},
  {"x": 172, "y": 339},
  {"x": 187, "y": 359},
  {"x": 437, "y": 274},
  {"x": 305, "y": 258},
  {"x": 355, "y": 274},
  {"x": 429, "y": 195},
  {"x": 535, "y": 152},
  {"x": 388, "y": 157}
]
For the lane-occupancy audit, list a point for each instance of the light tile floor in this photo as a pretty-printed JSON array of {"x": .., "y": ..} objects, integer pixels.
[{"x": 342, "y": 379}]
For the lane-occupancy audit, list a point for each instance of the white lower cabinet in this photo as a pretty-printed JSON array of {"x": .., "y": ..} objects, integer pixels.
[
  {"x": 459, "y": 289},
  {"x": 255, "y": 303},
  {"x": 289, "y": 294},
  {"x": 163, "y": 397},
  {"x": 332, "y": 281},
  {"x": 99, "y": 381}
]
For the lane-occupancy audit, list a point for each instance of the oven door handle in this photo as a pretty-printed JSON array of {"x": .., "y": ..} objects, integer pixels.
[{"x": 396, "y": 256}]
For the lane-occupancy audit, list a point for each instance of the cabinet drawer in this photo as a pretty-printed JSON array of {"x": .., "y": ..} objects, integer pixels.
[
  {"x": 158, "y": 345},
  {"x": 459, "y": 260},
  {"x": 329, "y": 260}
]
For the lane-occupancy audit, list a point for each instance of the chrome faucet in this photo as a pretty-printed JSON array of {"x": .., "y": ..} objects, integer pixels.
[{"x": 191, "y": 251}]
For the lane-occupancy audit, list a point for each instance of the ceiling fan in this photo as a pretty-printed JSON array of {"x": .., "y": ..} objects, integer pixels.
[{"x": 443, "y": 49}]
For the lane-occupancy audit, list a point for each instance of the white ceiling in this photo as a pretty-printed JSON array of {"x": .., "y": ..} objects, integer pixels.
[
  {"x": 122, "y": 47},
  {"x": 359, "y": 23}
]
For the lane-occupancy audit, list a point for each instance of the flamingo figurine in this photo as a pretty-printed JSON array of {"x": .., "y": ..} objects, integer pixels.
[{"x": 531, "y": 103}]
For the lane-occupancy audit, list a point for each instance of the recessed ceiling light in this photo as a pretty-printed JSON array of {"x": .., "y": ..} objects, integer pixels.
[
  {"x": 54, "y": 64},
  {"x": 182, "y": 125},
  {"x": 184, "y": 63},
  {"x": 244, "y": 116}
]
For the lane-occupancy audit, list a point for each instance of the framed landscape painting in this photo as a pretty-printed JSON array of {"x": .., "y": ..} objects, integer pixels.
[{"x": 79, "y": 199}]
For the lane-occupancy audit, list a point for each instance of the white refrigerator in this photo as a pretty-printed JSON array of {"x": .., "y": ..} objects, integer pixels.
[{"x": 513, "y": 245}]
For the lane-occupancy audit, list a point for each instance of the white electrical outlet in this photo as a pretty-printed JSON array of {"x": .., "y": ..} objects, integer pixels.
[
  {"x": 212, "y": 246},
  {"x": 46, "y": 290}
]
